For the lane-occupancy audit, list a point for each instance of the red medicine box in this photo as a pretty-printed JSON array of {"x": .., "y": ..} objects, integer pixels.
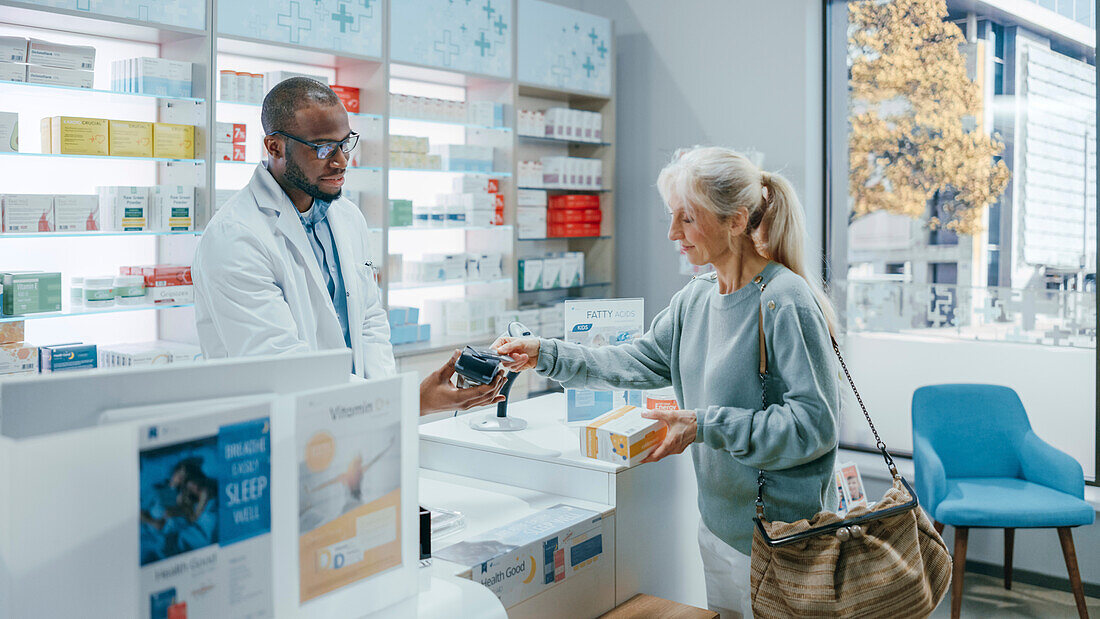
[
  {"x": 574, "y": 201},
  {"x": 574, "y": 216},
  {"x": 239, "y": 134},
  {"x": 349, "y": 96},
  {"x": 167, "y": 275}
]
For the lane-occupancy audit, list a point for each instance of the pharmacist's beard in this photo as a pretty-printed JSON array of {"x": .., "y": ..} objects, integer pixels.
[{"x": 298, "y": 178}]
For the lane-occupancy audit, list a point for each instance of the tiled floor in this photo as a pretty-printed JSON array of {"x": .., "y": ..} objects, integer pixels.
[{"x": 985, "y": 596}]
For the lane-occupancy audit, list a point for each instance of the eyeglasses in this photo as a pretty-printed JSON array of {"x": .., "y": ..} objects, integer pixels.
[{"x": 326, "y": 150}]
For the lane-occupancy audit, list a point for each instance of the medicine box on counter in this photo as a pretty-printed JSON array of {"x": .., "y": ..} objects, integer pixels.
[{"x": 621, "y": 436}]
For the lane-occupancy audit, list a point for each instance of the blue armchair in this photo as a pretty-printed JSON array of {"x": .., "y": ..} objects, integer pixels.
[{"x": 979, "y": 464}]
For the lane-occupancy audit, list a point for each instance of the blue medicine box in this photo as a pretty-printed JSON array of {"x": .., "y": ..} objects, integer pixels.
[
  {"x": 403, "y": 334},
  {"x": 424, "y": 334},
  {"x": 398, "y": 316},
  {"x": 63, "y": 357}
]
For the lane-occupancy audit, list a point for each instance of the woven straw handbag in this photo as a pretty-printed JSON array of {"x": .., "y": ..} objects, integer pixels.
[{"x": 886, "y": 561}]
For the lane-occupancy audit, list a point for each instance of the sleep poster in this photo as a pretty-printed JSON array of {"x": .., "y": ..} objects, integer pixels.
[
  {"x": 205, "y": 516},
  {"x": 349, "y": 485}
]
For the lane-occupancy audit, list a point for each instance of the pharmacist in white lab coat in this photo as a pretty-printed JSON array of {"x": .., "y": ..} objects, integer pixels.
[{"x": 284, "y": 266}]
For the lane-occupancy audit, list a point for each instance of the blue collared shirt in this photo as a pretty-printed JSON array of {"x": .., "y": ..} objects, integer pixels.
[{"x": 315, "y": 221}]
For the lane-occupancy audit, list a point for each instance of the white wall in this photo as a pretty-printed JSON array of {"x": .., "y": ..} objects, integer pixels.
[{"x": 744, "y": 74}]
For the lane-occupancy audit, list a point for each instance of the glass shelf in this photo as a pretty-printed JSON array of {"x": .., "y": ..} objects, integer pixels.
[
  {"x": 450, "y": 123},
  {"x": 447, "y": 283},
  {"x": 539, "y": 138},
  {"x": 83, "y": 311},
  {"x": 255, "y": 163},
  {"x": 94, "y": 234},
  {"x": 448, "y": 229},
  {"x": 106, "y": 157},
  {"x": 577, "y": 190},
  {"x": 593, "y": 285},
  {"x": 567, "y": 238},
  {"x": 114, "y": 93},
  {"x": 259, "y": 106},
  {"x": 441, "y": 343},
  {"x": 493, "y": 174}
]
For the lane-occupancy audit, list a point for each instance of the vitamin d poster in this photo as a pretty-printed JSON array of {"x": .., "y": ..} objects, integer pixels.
[
  {"x": 205, "y": 516},
  {"x": 349, "y": 485},
  {"x": 597, "y": 323}
]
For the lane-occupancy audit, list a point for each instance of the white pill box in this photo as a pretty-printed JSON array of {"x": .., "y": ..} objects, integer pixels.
[
  {"x": 13, "y": 49},
  {"x": 10, "y": 72},
  {"x": 173, "y": 208},
  {"x": 24, "y": 213},
  {"x": 47, "y": 54},
  {"x": 57, "y": 76},
  {"x": 621, "y": 436},
  {"x": 76, "y": 213},
  {"x": 124, "y": 209},
  {"x": 530, "y": 273},
  {"x": 9, "y": 132}
]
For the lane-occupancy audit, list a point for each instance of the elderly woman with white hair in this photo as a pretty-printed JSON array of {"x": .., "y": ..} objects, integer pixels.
[{"x": 740, "y": 426}]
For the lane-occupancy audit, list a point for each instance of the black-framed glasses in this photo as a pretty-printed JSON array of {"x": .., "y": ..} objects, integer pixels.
[{"x": 326, "y": 149}]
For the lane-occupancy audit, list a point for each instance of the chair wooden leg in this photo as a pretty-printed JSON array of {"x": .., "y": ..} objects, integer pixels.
[
  {"x": 1066, "y": 537},
  {"x": 938, "y": 526},
  {"x": 959, "y": 568},
  {"x": 1010, "y": 539}
]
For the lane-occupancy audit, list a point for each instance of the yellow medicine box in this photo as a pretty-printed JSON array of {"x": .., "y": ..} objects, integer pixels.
[
  {"x": 131, "y": 139},
  {"x": 621, "y": 436},
  {"x": 173, "y": 141},
  {"x": 67, "y": 135}
]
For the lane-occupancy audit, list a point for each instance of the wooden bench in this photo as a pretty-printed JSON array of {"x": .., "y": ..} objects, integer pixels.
[{"x": 643, "y": 605}]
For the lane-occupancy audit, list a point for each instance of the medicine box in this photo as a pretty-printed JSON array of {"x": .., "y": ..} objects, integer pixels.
[
  {"x": 274, "y": 77},
  {"x": 401, "y": 213},
  {"x": 62, "y": 357},
  {"x": 166, "y": 276},
  {"x": 170, "y": 295},
  {"x": 18, "y": 358},
  {"x": 11, "y": 332},
  {"x": 54, "y": 76},
  {"x": 31, "y": 292},
  {"x": 526, "y": 557},
  {"x": 13, "y": 49},
  {"x": 124, "y": 355},
  {"x": 69, "y": 135},
  {"x": 530, "y": 274},
  {"x": 173, "y": 208},
  {"x": 349, "y": 96},
  {"x": 130, "y": 138},
  {"x": 180, "y": 352},
  {"x": 404, "y": 334},
  {"x": 48, "y": 54},
  {"x": 230, "y": 133},
  {"x": 13, "y": 72},
  {"x": 9, "y": 132},
  {"x": 124, "y": 209},
  {"x": 160, "y": 76},
  {"x": 621, "y": 436},
  {"x": 171, "y": 141},
  {"x": 76, "y": 213},
  {"x": 230, "y": 151},
  {"x": 24, "y": 213},
  {"x": 551, "y": 273}
]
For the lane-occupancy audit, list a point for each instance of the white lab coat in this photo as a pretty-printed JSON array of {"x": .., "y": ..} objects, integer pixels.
[{"x": 259, "y": 290}]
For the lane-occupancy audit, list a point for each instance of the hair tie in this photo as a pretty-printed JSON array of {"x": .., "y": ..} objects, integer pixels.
[{"x": 765, "y": 192}]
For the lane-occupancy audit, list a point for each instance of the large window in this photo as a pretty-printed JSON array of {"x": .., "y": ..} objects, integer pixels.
[{"x": 962, "y": 204}]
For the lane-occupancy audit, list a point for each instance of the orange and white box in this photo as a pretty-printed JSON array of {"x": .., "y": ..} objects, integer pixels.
[{"x": 621, "y": 436}]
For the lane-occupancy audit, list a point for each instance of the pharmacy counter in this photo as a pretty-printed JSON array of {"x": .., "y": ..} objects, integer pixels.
[
  {"x": 656, "y": 518},
  {"x": 486, "y": 505}
]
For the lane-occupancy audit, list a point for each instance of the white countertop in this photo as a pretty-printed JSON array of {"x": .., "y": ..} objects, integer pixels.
[{"x": 546, "y": 438}]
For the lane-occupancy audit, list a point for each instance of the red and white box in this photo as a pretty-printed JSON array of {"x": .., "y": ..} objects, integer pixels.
[{"x": 349, "y": 96}]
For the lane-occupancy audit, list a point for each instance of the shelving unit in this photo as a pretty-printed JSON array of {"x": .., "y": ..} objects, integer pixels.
[{"x": 371, "y": 182}]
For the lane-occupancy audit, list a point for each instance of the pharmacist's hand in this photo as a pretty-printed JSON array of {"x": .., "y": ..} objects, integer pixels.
[
  {"x": 524, "y": 352},
  {"x": 438, "y": 394},
  {"x": 681, "y": 432}
]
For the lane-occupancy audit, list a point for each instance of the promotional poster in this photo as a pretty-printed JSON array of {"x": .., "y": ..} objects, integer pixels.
[
  {"x": 205, "y": 516},
  {"x": 349, "y": 485},
  {"x": 597, "y": 323}
]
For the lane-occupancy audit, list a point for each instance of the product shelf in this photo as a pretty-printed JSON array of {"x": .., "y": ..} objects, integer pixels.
[
  {"x": 101, "y": 157},
  {"x": 94, "y": 234},
  {"x": 255, "y": 163},
  {"x": 441, "y": 344},
  {"x": 450, "y": 283},
  {"x": 418, "y": 170},
  {"x": 449, "y": 123},
  {"x": 94, "y": 91},
  {"x": 450, "y": 229},
  {"x": 35, "y": 14},
  {"x": 259, "y": 106},
  {"x": 235, "y": 45},
  {"x": 569, "y": 238},
  {"x": 92, "y": 312},
  {"x": 592, "y": 285},
  {"x": 538, "y": 139},
  {"x": 567, "y": 190}
]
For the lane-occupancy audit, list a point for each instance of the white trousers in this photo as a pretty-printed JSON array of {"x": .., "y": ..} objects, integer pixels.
[{"x": 727, "y": 576}]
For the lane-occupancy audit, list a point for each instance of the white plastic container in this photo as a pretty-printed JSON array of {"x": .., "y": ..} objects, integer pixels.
[
  {"x": 99, "y": 292},
  {"x": 76, "y": 291},
  {"x": 661, "y": 399},
  {"x": 130, "y": 289}
]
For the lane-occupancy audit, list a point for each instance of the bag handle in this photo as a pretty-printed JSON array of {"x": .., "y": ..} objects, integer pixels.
[{"x": 763, "y": 369}]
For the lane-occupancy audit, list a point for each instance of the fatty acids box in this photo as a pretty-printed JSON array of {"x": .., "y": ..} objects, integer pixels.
[
  {"x": 622, "y": 436},
  {"x": 529, "y": 556}
]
